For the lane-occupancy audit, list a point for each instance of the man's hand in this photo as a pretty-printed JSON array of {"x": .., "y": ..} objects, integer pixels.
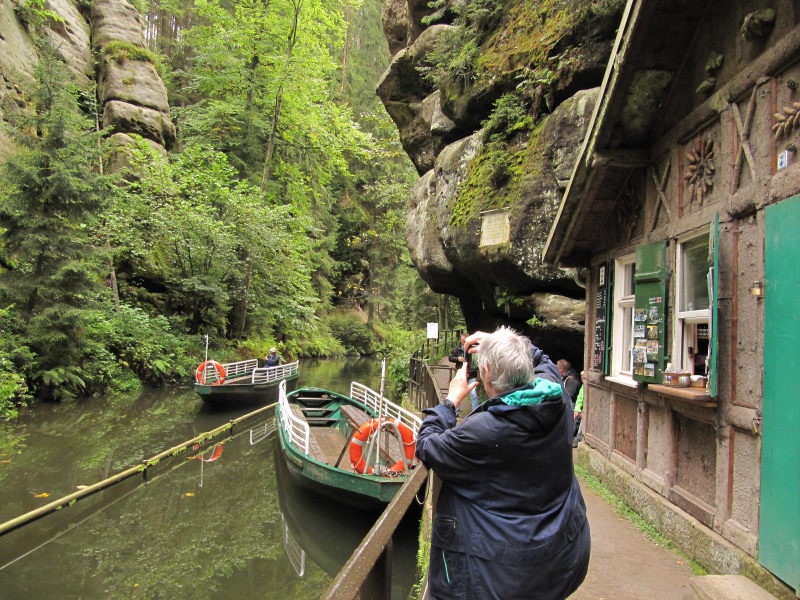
[
  {"x": 472, "y": 342},
  {"x": 459, "y": 388}
]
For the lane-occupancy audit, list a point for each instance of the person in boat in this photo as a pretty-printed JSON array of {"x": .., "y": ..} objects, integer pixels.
[
  {"x": 273, "y": 359},
  {"x": 458, "y": 357},
  {"x": 510, "y": 520}
]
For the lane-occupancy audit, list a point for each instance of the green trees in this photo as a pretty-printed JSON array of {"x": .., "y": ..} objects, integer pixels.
[
  {"x": 52, "y": 195},
  {"x": 285, "y": 203},
  {"x": 197, "y": 241}
]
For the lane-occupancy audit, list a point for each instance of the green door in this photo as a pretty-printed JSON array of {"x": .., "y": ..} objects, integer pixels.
[{"x": 779, "y": 542}]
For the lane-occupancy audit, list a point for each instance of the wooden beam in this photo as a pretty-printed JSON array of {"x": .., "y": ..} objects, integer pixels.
[{"x": 625, "y": 159}]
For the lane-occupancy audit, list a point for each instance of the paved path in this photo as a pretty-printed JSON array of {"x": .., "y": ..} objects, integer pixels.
[{"x": 625, "y": 565}]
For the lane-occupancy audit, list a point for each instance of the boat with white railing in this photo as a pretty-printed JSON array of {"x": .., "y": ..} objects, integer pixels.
[
  {"x": 356, "y": 449},
  {"x": 241, "y": 382}
]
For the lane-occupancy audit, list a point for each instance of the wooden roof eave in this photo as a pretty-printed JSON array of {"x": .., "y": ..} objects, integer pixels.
[
  {"x": 596, "y": 159},
  {"x": 560, "y": 240}
]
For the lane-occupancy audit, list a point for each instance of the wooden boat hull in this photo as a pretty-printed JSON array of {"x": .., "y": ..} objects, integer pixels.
[
  {"x": 363, "y": 491},
  {"x": 329, "y": 532},
  {"x": 241, "y": 393}
]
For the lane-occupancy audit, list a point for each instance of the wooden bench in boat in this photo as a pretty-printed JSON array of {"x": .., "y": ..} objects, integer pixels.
[{"x": 312, "y": 401}]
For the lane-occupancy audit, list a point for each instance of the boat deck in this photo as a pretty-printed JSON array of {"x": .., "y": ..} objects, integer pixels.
[
  {"x": 247, "y": 378},
  {"x": 331, "y": 441}
]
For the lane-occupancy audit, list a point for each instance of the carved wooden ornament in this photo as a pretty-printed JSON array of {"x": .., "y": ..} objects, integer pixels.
[
  {"x": 700, "y": 170},
  {"x": 787, "y": 119}
]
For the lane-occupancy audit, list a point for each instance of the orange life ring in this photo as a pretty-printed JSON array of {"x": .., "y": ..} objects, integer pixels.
[
  {"x": 200, "y": 373},
  {"x": 364, "y": 432}
]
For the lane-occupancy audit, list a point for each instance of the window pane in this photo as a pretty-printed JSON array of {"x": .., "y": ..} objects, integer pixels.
[
  {"x": 693, "y": 276},
  {"x": 627, "y": 340},
  {"x": 630, "y": 271}
]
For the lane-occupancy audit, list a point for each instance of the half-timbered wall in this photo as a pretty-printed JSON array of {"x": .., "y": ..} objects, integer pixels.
[{"x": 704, "y": 456}]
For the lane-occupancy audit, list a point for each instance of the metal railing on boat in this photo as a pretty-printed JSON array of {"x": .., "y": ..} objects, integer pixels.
[
  {"x": 268, "y": 374},
  {"x": 242, "y": 367},
  {"x": 372, "y": 400},
  {"x": 297, "y": 429}
]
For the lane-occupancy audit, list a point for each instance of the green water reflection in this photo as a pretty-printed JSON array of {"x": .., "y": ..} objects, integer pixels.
[{"x": 173, "y": 537}]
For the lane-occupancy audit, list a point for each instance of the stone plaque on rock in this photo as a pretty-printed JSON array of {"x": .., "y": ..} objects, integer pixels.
[{"x": 494, "y": 227}]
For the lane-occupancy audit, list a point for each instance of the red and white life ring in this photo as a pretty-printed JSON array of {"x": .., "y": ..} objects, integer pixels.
[
  {"x": 364, "y": 432},
  {"x": 200, "y": 373}
]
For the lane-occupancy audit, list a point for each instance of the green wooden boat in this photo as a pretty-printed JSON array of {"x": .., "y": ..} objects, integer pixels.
[
  {"x": 242, "y": 382},
  {"x": 326, "y": 438}
]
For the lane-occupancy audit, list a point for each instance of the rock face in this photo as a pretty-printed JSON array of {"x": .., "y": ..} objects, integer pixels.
[
  {"x": 131, "y": 95},
  {"x": 413, "y": 104},
  {"x": 468, "y": 173}
]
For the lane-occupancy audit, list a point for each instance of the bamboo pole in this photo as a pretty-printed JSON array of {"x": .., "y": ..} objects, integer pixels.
[{"x": 142, "y": 468}]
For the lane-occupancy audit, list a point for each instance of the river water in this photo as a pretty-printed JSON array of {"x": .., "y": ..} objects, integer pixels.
[{"x": 231, "y": 528}]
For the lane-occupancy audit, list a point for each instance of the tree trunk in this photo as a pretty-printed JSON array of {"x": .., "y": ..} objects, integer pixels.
[
  {"x": 345, "y": 53},
  {"x": 112, "y": 278},
  {"x": 245, "y": 295},
  {"x": 270, "y": 152},
  {"x": 267, "y": 173}
]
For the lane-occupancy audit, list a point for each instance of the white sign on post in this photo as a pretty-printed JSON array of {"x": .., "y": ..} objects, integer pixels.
[{"x": 433, "y": 331}]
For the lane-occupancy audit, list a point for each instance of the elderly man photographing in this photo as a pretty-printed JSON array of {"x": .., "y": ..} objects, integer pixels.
[{"x": 510, "y": 521}]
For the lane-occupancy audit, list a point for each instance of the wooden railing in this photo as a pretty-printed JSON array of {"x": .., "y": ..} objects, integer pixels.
[
  {"x": 424, "y": 388},
  {"x": 367, "y": 573}
]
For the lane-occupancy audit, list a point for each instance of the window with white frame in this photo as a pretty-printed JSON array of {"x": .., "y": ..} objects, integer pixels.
[
  {"x": 622, "y": 333},
  {"x": 692, "y": 314}
]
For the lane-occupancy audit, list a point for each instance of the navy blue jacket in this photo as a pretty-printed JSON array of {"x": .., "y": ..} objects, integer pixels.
[{"x": 510, "y": 521}]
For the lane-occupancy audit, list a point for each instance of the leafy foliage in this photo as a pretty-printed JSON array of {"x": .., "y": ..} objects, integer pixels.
[
  {"x": 285, "y": 202},
  {"x": 354, "y": 334},
  {"x": 508, "y": 118},
  {"x": 34, "y": 14},
  {"x": 212, "y": 246},
  {"x": 454, "y": 58},
  {"x": 52, "y": 194}
]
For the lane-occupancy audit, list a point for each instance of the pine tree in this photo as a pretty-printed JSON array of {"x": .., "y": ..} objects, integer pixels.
[{"x": 52, "y": 191}]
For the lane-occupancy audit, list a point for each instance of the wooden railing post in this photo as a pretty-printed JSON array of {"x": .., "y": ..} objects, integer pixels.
[{"x": 378, "y": 584}]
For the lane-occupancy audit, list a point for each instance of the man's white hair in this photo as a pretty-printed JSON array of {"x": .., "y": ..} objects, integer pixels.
[{"x": 508, "y": 356}]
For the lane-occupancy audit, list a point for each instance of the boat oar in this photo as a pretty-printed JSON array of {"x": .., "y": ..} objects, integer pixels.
[{"x": 346, "y": 446}]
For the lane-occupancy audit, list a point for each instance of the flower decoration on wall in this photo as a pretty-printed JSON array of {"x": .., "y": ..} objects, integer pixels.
[{"x": 700, "y": 171}]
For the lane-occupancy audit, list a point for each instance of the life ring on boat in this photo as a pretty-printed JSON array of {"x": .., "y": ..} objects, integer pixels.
[
  {"x": 200, "y": 373},
  {"x": 364, "y": 432}
]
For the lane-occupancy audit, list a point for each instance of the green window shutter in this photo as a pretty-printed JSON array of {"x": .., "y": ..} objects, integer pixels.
[
  {"x": 713, "y": 293},
  {"x": 650, "y": 311},
  {"x": 602, "y": 319}
]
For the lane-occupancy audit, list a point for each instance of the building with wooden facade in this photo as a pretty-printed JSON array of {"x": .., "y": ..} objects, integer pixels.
[{"x": 684, "y": 205}]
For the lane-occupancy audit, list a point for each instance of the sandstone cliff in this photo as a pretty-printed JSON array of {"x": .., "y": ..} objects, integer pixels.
[
  {"x": 103, "y": 45},
  {"x": 492, "y": 99}
]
